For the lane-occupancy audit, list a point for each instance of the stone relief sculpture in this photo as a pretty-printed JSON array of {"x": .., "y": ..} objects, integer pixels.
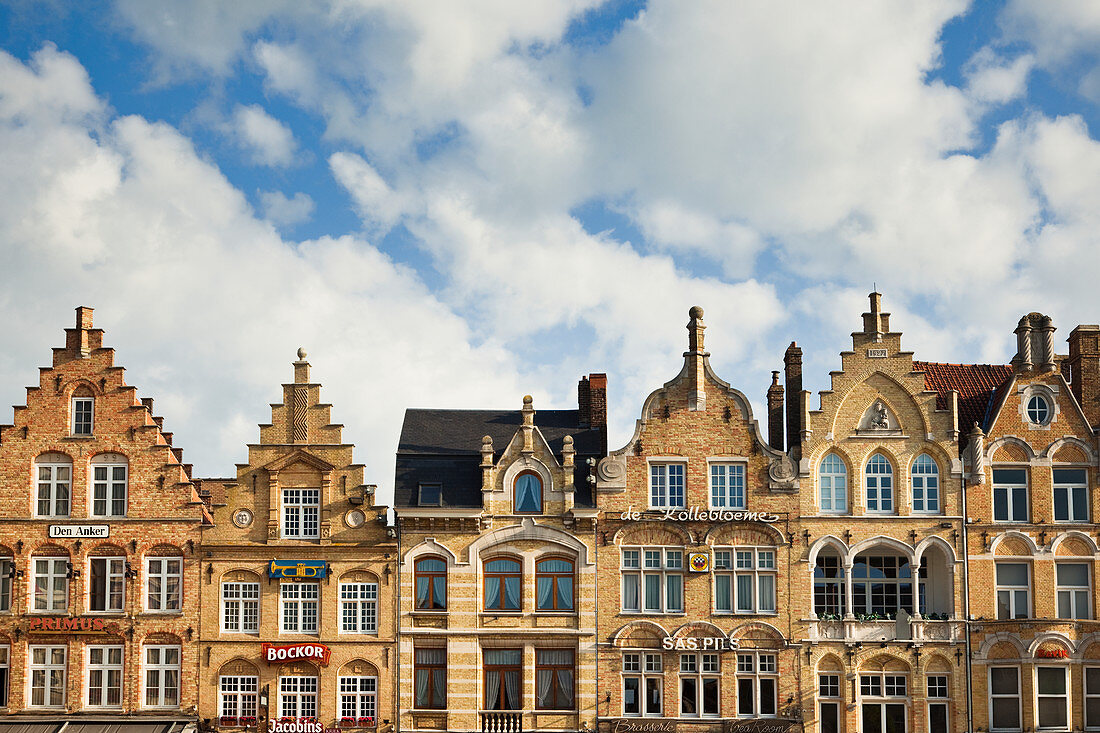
[{"x": 880, "y": 419}]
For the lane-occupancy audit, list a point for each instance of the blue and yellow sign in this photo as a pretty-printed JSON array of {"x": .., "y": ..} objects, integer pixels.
[{"x": 312, "y": 569}]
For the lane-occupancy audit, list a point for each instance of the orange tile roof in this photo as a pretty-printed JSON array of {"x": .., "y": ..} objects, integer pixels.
[{"x": 977, "y": 385}]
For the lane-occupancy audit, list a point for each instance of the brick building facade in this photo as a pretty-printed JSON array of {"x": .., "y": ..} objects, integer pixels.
[
  {"x": 696, "y": 619},
  {"x": 298, "y": 582},
  {"x": 99, "y": 561}
]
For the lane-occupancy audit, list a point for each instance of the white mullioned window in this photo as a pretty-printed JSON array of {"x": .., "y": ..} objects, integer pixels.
[
  {"x": 653, "y": 579},
  {"x": 51, "y": 583},
  {"x": 359, "y": 608},
  {"x": 828, "y": 693},
  {"x": 162, "y": 676},
  {"x": 699, "y": 685},
  {"x": 925, "y": 480},
  {"x": 666, "y": 486},
  {"x": 727, "y": 486},
  {"x": 358, "y": 697},
  {"x": 106, "y": 584},
  {"x": 1092, "y": 698},
  {"x": 1052, "y": 696},
  {"x": 82, "y": 415},
  {"x": 1013, "y": 590},
  {"x": 163, "y": 583},
  {"x": 643, "y": 680},
  {"x": 237, "y": 695},
  {"x": 745, "y": 580},
  {"x": 7, "y": 573},
  {"x": 1010, "y": 502},
  {"x": 5, "y": 674},
  {"x": 104, "y": 676},
  {"x": 1072, "y": 590},
  {"x": 54, "y": 497},
  {"x": 298, "y": 607},
  {"x": 1005, "y": 708},
  {"x": 833, "y": 485},
  {"x": 301, "y": 513},
  {"x": 1038, "y": 411},
  {"x": 109, "y": 479},
  {"x": 241, "y": 607},
  {"x": 939, "y": 696},
  {"x": 1071, "y": 495},
  {"x": 47, "y": 667},
  {"x": 757, "y": 685},
  {"x": 883, "y": 702},
  {"x": 297, "y": 697},
  {"x": 880, "y": 485}
]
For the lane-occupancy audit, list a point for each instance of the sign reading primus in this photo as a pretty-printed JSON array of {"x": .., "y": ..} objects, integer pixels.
[
  {"x": 695, "y": 514},
  {"x": 79, "y": 530}
]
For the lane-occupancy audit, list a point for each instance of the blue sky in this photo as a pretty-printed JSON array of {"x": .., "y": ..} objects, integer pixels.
[{"x": 452, "y": 205}]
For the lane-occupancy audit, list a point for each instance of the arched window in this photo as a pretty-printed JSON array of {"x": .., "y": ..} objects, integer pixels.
[
  {"x": 926, "y": 485},
  {"x": 109, "y": 485},
  {"x": 554, "y": 584},
  {"x": 54, "y": 472},
  {"x": 880, "y": 485},
  {"x": 833, "y": 481},
  {"x": 503, "y": 580},
  {"x": 528, "y": 494},
  {"x": 829, "y": 586},
  {"x": 431, "y": 584}
]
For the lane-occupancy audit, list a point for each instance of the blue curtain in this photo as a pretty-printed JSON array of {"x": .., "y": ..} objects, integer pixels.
[{"x": 528, "y": 493}]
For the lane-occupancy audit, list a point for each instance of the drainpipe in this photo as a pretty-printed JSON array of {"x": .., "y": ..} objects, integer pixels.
[{"x": 966, "y": 609}]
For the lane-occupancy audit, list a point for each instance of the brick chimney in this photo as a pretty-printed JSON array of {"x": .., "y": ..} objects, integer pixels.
[
  {"x": 1035, "y": 343},
  {"x": 1084, "y": 363},
  {"x": 775, "y": 413},
  {"x": 792, "y": 364},
  {"x": 696, "y": 357},
  {"x": 592, "y": 404},
  {"x": 876, "y": 322}
]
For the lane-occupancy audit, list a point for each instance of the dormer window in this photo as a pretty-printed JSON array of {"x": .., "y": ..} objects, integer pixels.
[
  {"x": 82, "y": 415},
  {"x": 431, "y": 494},
  {"x": 528, "y": 494},
  {"x": 1038, "y": 410}
]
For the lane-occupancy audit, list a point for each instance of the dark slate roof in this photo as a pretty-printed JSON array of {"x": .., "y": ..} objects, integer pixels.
[
  {"x": 444, "y": 446},
  {"x": 978, "y": 385}
]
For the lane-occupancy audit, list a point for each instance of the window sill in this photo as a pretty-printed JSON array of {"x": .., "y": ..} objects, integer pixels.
[
  {"x": 77, "y": 437},
  {"x": 429, "y": 612},
  {"x": 653, "y": 613},
  {"x": 107, "y": 614},
  {"x": 548, "y": 612}
]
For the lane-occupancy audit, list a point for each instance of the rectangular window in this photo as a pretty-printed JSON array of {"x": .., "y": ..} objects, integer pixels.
[
  {"x": 1092, "y": 698},
  {"x": 51, "y": 583},
  {"x": 745, "y": 580},
  {"x": 430, "y": 494},
  {"x": 53, "y": 489},
  {"x": 241, "y": 607},
  {"x": 1072, "y": 590},
  {"x": 164, "y": 576},
  {"x": 1053, "y": 697},
  {"x": 828, "y": 686},
  {"x": 1004, "y": 699},
  {"x": 938, "y": 695},
  {"x": 666, "y": 485},
  {"x": 699, "y": 685},
  {"x": 1071, "y": 495},
  {"x": 359, "y": 608},
  {"x": 1010, "y": 495},
  {"x": 727, "y": 486},
  {"x": 237, "y": 696},
  {"x": 879, "y": 710},
  {"x": 82, "y": 415},
  {"x": 47, "y": 667},
  {"x": 5, "y": 668},
  {"x": 7, "y": 573},
  {"x": 297, "y": 697},
  {"x": 301, "y": 513},
  {"x": 503, "y": 673},
  {"x": 882, "y": 584},
  {"x": 642, "y": 683},
  {"x": 104, "y": 676},
  {"x": 653, "y": 580},
  {"x": 430, "y": 678},
  {"x": 108, "y": 490},
  {"x": 757, "y": 685},
  {"x": 162, "y": 676},
  {"x": 359, "y": 698},
  {"x": 555, "y": 675},
  {"x": 298, "y": 607},
  {"x": 1013, "y": 590},
  {"x": 106, "y": 583},
  {"x": 829, "y": 596}
]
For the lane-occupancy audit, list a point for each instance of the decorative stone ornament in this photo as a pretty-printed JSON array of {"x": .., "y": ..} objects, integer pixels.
[
  {"x": 355, "y": 518},
  {"x": 242, "y": 518}
]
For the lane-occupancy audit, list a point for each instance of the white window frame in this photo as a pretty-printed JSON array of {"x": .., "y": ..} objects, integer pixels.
[
  {"x": 73, "y": 424},
  {"x": 359, "y": 608},
  {"x": 305, "y": 600},
  {"x": 1018, "y": 696},
  {"x": 643, "y": 666},
  {"x": 51, "y": 484},
  {"x": 116, "y": 573},
  {"x": 301, "y": 513},
  {"x": 658, "y": 562},
  {"x": 164, "y": 597},
  {"x": 661, "y": 474},
  {"x": 238, "y": 694},
  {"x": 829, "y": 696},
  {"x": 1079, "y": 609},
  {"x": 5, "y": 674},
  {"x": 111, "y": 486},
  {"x": 56, "y": 568},
  {"x": 361, "y": 693},
  {"x": 838, "y": 496},
  {"x": 160, "y": 669},
  {"x": 882, "y": 483},
  {"x": 756, "y": 563},
  {"x": 46, "y": 668},
  {"x": 1013, "y": 593},
  {"x": 727, "y": 488},
  {"x": 885, "y": 696},
  {"x": 923, "y": 481},
  {"x": 7, "y": 574},
  {"x": 104, "y": 668},
  {"x": 1066, "y": 695},
  {"x": 1047, "y": 410},
  {"x": 938, "y": 695},
  {"x": 755, "y": 667},
  {"x": 303, "y": 689},
  {"x": 1092, "y": 694},
  {"x": 1070, "y": 488},
  {"x": 240, "y": 611},
  {"x": 1011, "y": 496},
  {"x": 701, "y": 669}
]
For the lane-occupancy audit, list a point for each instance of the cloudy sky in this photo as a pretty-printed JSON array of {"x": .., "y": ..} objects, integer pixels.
[{"x": 454, "y": 204}]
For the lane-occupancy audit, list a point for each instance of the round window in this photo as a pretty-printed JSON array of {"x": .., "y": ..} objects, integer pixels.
[{"x": 1038, "y": 411}]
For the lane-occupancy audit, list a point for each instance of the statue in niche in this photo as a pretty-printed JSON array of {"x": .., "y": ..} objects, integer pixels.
[{"x": 879, "y": 417}]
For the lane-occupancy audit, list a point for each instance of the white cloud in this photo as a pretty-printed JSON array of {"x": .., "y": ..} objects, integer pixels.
[
  {"x": 286, "y": 212},
  {"x": 374, "y": 199},
  {"x": 996, "y": 80},
  {"x": 269, "y": 141}
]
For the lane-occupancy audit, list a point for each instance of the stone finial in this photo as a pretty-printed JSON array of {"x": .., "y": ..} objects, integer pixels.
[
  {"x": 567, "y": 451},
  {"x": 528, "y": 427},
  {"x": 487, "y": 463},
  {"x": 696, "y": 361},
  {"x": 875, "y": 321},
  {"x": 301, "y": 367},
  {"x": 976, "y": 451},
  {"x": 302, "y": 353}
]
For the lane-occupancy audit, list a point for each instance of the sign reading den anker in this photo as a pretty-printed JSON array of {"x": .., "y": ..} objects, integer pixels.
[{"x": 79, "y": 531}]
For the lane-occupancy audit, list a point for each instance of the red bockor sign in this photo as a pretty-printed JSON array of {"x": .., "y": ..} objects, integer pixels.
[{"x": 283, "y": 653}]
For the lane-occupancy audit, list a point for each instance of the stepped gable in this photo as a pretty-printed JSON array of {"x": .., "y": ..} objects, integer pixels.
[{"x": 978, "y": 386}]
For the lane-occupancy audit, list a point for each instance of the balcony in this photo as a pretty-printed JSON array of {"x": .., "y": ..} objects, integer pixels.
[
  {"x": 912, "y": 629},
  {"x": 501, "y": 722}
]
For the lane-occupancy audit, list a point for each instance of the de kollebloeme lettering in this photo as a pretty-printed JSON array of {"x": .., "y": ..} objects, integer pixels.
[{"x": 695, "y": 514}]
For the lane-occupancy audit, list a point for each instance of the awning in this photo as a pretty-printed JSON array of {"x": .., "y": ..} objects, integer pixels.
[{"x": 97, "y": 726}]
